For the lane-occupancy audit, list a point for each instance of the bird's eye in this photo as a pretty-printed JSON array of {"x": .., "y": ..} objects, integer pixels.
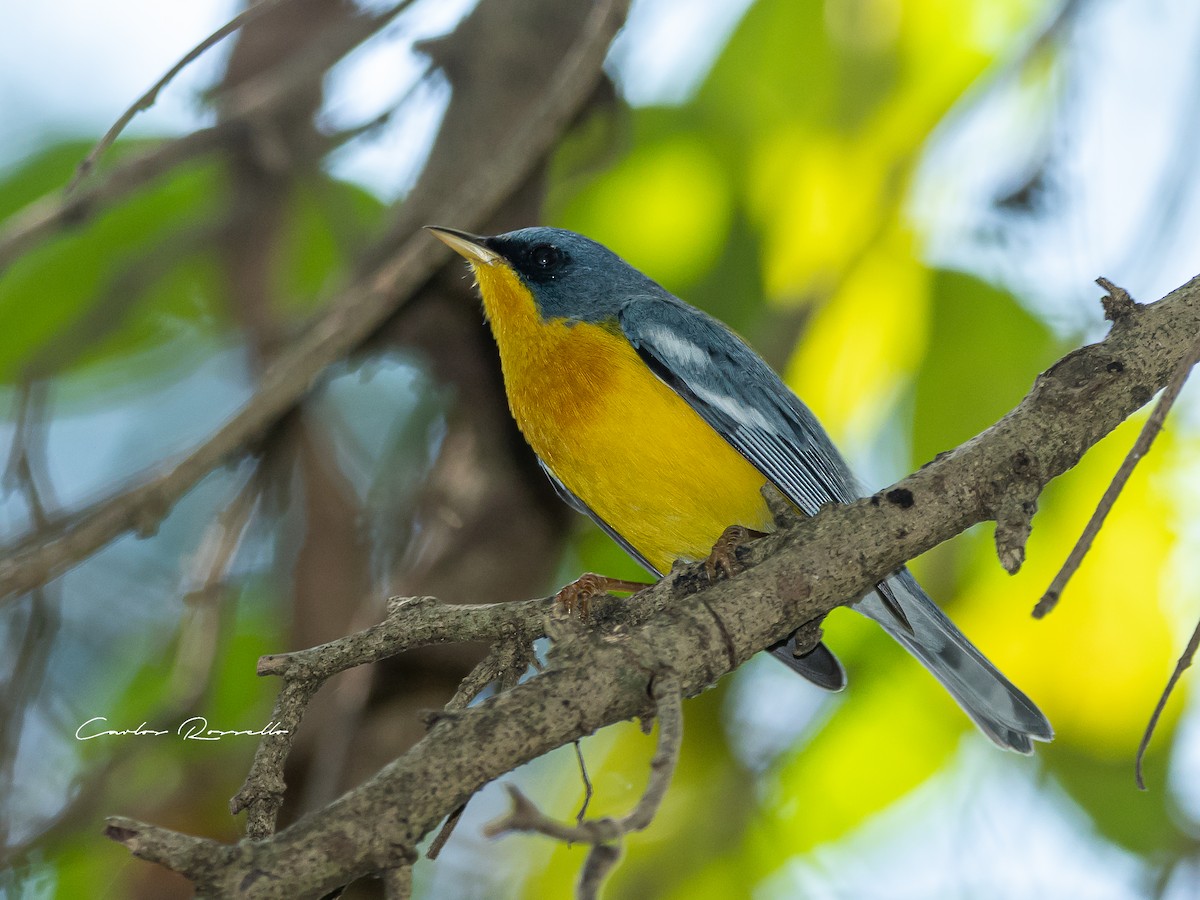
[{"x": 546, "y": 257}]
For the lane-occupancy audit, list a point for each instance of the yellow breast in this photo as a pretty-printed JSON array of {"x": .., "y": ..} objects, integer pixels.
[{"x": 614, "y": 434}]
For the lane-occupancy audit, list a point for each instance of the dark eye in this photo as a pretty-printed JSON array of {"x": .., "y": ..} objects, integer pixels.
[{"x": 546, "y": 257}]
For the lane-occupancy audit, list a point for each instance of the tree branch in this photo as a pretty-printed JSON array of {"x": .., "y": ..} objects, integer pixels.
[
  {"x": 1119, "y": 299},
  {"x": 597, "y": 677}
]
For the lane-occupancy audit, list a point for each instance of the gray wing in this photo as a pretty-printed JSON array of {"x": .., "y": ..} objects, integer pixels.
[
  {"x": 739, "y": 395},
  {"x": 746, "y": 403}
]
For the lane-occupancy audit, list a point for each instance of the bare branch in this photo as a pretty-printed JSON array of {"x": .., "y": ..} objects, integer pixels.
[
  {"x": 1185, "y": 660},
  {"x": 1140, "y": 447},
  {"x": 187, "y": 855},
  {"x": 261, "y": 795},
  {"x": 525, "y": 816},
  {"x": 601, "y": 860},
  {"x": 605, "y": 834},
  {"x": 587, "y": 783},
  {"x": 439, "y": 842},
  {"x": 478, "y": 678},
  {"x": 410, "y": 622}
]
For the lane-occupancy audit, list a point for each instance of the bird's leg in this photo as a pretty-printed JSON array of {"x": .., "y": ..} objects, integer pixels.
[
  {"x": 575, "y": 597},
  {"x": 723, "y": 559}
]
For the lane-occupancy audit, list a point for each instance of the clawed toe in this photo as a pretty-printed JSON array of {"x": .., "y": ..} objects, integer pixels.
[
  {"x": 723, "y": 560},
  {"x": 575, "y": 597}
]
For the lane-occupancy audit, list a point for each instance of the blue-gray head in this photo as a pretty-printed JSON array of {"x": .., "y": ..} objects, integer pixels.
[{"x": 570, "y": 276}]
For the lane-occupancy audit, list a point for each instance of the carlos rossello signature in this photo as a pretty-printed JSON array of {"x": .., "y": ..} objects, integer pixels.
[{"x": 193, "y": 729}]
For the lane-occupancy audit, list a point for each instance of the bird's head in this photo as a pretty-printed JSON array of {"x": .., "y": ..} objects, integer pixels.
[{"x": 570, "y": 277}]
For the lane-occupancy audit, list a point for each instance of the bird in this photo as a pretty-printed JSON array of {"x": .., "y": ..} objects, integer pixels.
[{"x": 663, "y": 426}]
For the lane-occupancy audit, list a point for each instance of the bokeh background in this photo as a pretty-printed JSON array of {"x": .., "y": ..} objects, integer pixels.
[{"x": 901, "y": 203}]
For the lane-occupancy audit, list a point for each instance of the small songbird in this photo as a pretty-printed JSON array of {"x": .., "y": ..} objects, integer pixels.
[{"x": 659, "y": 423}]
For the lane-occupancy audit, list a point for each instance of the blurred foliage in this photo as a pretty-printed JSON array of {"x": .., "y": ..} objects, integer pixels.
[
  {"x": 775, "y": 199},
  {"x": 143, "y": 272}
]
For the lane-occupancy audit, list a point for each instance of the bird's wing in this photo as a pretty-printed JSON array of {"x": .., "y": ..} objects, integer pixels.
[
  {"x": 740, "y": 396},
  {"x": 746, "y": 403},
  {"x": 736, "y": 393}
]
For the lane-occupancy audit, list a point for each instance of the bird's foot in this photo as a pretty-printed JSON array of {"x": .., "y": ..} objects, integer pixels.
[
  {"x": 723, "y": 560},
  {"x": 575, "y": 597}
]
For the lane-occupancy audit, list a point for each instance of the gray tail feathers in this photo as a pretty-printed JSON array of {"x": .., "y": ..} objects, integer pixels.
[{"x": 1000, "y": 710}]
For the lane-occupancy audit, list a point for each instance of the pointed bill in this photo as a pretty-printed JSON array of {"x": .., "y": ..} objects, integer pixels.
[{"x": 469, "y": 246}]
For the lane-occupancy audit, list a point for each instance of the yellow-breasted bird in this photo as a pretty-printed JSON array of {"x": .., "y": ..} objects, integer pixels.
[{"x": 659, "y": 423}]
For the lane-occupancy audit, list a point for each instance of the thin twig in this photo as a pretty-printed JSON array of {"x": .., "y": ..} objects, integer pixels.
[
  {"x": 477, "y": 679},
  {"x": 1140, "y": 447},
  {"x": 604, "y": 834},
  {"x": 412, "y": 622},
  {"x": 525, "y": 816},
  {"x": 452, "y": 820},
  {"x": 1185, "y": 660},
  {"x": 601, "y": 860},
  {"x": 149, "y": 98},
  {"x": 587, "y": 784}
]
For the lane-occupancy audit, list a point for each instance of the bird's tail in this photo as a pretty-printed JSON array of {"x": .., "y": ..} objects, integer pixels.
[{"x": 1001, "y": 711}]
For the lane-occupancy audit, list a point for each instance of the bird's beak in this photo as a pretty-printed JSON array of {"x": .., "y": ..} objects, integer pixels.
[{"x": 469, "y": 246}]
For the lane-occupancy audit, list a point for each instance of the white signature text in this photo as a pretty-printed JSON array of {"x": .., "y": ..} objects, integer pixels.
[{"x": 193, "y": 729}]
